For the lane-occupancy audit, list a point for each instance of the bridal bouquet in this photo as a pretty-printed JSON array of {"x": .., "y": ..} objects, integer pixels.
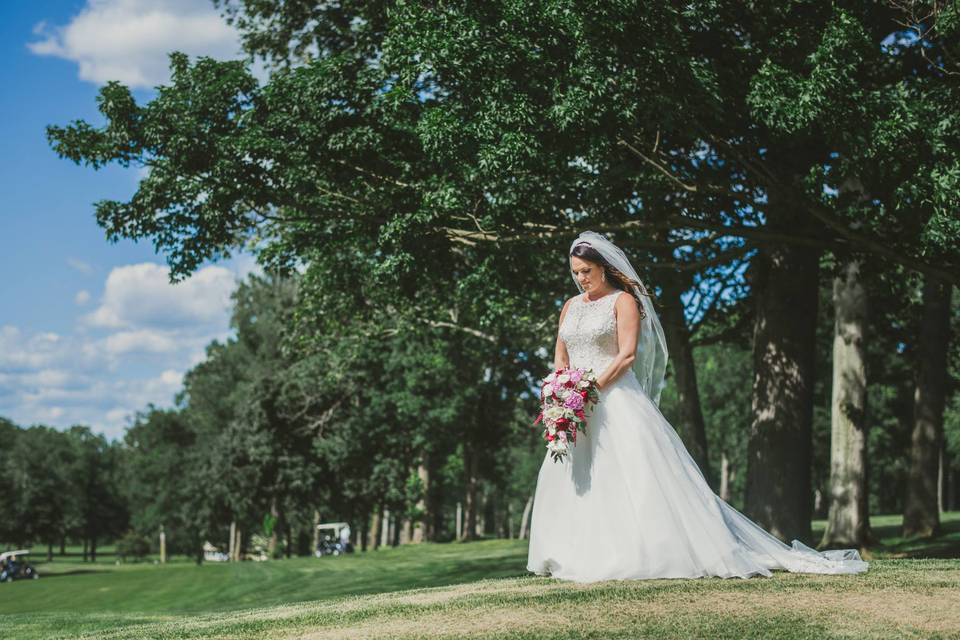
[{"x": 565, "y": 395}]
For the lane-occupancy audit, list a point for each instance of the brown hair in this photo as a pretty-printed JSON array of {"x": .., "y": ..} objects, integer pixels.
[{"x": 617, "y": 278}]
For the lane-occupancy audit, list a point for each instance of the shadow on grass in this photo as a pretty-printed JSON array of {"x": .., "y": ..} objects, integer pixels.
[
  {"x": 62, "y": 574},
  {"x": 945, "y": 544}
]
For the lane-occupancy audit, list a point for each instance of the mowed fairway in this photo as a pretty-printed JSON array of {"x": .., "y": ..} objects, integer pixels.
[{"x": 481, "y": 590}]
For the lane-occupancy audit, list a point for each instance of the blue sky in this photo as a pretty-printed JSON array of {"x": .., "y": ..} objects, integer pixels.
[{"x": 91, "y": 331}]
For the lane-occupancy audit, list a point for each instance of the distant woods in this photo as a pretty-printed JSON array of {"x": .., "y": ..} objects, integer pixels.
[{"x": 411, "y": 176}]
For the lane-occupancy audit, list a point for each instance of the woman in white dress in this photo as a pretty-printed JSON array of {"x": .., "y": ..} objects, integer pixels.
[{"x": 629, "y": 502}]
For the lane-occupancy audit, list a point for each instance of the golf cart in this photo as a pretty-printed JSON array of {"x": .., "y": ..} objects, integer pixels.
[
  {"x": 14, "y": 567},
  {"x": 336, "y": 544}
]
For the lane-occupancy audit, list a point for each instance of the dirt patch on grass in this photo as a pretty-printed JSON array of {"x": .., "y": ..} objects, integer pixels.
[{"x": 874, "y": 613}]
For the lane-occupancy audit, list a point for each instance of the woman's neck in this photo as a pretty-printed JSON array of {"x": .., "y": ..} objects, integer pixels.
[{"x": 599, "y": 295}]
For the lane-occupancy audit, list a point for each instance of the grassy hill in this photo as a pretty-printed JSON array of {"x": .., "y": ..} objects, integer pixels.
[{"x": 482, "y": 590}]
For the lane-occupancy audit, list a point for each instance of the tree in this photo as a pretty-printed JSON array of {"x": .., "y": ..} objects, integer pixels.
[
  {"x": 450, "y": 152},
  {"x": 921, "y": 516}
]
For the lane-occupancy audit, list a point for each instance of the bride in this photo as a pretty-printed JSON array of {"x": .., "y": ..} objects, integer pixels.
[{"x": 629, "y": 502}]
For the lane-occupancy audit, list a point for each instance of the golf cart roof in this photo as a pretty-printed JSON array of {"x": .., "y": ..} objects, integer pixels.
[{"x": 18, "y": 552}]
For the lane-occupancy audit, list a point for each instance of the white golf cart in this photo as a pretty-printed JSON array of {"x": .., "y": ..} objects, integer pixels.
[
  {"x": 13, "y": 566},
  {"x": 334, "y": 543}
]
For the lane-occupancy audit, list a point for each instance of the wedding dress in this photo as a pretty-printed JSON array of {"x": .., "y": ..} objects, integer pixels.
[{"x": 630, "y": 503}]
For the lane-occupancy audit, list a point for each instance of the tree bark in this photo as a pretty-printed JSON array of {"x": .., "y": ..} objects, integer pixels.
[
  {"x": 690, "y": 423},
  {"x": 848, "y": 520},
  {"x": 421, "y": 528},
  {"x": 525, "y": 518},
  {"x": 778, "y": 480},
  {"x": 725, "y": 477},
  {"x": 395, "y": 527},
  {"x": 364, "y": 532},
  {"x": 384, "y": 537},
  {"x": 459, "y": 524},
  {"x": 470, "y": 501},
  {"x": 272, "y": 544},
  {"x": 921, "y": 516}
]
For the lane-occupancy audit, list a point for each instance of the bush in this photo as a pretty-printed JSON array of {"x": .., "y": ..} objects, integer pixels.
[{"x": 133, "y": 545}]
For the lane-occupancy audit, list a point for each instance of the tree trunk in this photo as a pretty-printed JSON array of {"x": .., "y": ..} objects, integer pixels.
[
  {"x": 470, "y": 502},
  {"x": 274, "y": 541},
  {"x": 85, "y": 543},
  {"x": 951, "y": 477},
  {"x": 459, "y": 523},
  {"x": 525, "y": 518},
  {"x": 63, "y": 545},
  {"x": 364, "y": 532},
  {"x": 689, "y": 423},
  {"x": 921, "y": 515},
  {"x": 421, "y": 528},
  {"x": 778, "y": 495},
  {"x": 93, "y": 548},
  {"x": 725, "y": 478},
  {"x": 49, "y": 552},
  {"x": 940, "y": 469},
  {"x": 848, "y": 521},
  {"x": 289, "y": 531},
  {"x": 232, "y": 552},
  {"x": 385, "y": 522},
  {"x": 376, "y": 527}
]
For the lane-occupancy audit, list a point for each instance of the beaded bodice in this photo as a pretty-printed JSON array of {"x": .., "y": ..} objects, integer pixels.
[{"x": 589, "y": 331}]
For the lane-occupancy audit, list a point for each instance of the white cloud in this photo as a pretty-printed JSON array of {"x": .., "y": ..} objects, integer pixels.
[
  {"x": 131, "y": 351},
  {"x": 140, "y": 295},
  {"x": 80, "y": 265},
  {"x": 82, "y": 297},
  {"x": 129, "y": 40},
  {"x": 142, "y": 340}
]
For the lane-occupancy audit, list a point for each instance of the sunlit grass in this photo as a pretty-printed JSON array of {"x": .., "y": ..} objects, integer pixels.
[{"x": 482, "y": 590}]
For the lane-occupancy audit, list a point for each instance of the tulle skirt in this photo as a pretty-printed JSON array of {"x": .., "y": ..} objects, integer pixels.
[{"x": 630, "y": 503}]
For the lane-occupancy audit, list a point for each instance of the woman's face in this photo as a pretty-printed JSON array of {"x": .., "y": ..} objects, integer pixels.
[{"x": 588, "y": 274}]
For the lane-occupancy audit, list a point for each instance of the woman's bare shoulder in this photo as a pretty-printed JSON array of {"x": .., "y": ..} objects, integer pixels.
[{"x": 566, "y": 306}]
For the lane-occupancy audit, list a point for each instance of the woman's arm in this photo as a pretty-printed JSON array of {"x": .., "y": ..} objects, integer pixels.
[
  {"x": 628, "y": 330},
  {"x": 561, "y": 359}
]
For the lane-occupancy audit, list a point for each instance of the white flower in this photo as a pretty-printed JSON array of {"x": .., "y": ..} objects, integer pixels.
[
  {"x": 551, "y": 377},
  {"x": 547, "y": 390},
  {"x": 563, "y": 379},
  {"x": 554, "y": 412}
]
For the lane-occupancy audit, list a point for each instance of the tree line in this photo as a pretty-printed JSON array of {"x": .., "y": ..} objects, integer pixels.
[{"x": 244, "y": 453}]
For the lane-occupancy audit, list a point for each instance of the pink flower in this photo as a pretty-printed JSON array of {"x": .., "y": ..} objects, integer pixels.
[
  {"x": 574, "y": 401},
  {"x": 575, "y": 375}
]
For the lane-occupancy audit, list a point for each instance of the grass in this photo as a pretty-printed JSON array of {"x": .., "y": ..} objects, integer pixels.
[{"x": 482, "y": 590}]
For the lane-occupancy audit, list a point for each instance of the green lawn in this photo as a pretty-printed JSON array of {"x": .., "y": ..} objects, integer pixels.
[{"x": 482, "y": 590}]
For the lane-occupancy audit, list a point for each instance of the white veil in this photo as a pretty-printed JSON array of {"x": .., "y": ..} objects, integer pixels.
[{"x": 651, "y": 361}]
